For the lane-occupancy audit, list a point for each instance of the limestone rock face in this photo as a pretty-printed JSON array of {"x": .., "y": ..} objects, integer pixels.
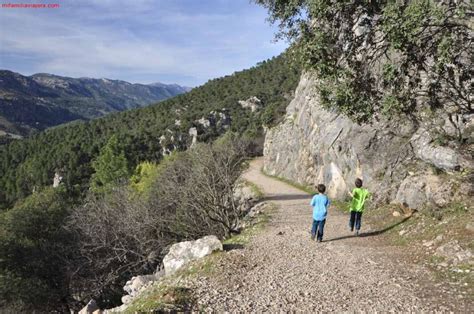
[
  {"x": 398, "y": 159},
  {"x": 253, "y": 103},
  {"x": 184, "y": 252},
  {"x": 57, "y": 180}
]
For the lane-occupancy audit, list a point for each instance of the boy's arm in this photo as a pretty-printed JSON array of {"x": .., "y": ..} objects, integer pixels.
[{"x": 312, "y": 202}]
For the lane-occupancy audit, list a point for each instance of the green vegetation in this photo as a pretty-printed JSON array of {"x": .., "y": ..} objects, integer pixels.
[
  {"x": 162, "y": 298},
  {"x": 109, "y": 167},
  {"x": 35, "y": 253},
  {"x": 256, "y": 191},
  {"x": 29, "y": 164},
  {"x": 373, "y": 56},
  {"x": 412, "y": 230},
  {"x": 100, "y": 226}
]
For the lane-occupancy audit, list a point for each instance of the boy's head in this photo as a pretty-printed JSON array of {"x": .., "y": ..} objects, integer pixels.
[
  {"x": 321, "y": 188},
  {"x": 358, "y": 183}
]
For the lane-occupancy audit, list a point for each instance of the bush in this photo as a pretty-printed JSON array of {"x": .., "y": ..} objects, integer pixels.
[
  {"x": 122, "y": 233},
  {"x": 35, "y": 251},
  {"x": 200, "y": 188}
]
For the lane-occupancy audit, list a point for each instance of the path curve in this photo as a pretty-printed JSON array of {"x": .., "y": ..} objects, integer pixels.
[{"x": 282, "y": 269}]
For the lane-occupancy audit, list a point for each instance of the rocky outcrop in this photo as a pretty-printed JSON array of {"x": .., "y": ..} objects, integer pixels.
[
  {"x": 253, "y": 103},
  {"x": 178, "y": 256},
  {"x": 401, "y": 159},
  {"x": 58, "y": 178}
]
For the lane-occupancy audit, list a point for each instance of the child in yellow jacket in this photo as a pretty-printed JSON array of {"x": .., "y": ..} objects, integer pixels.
[{"x": 359, "y": 196}]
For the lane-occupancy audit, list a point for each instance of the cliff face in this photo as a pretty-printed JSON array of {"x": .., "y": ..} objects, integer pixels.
[{"x": 425, "y": 158}]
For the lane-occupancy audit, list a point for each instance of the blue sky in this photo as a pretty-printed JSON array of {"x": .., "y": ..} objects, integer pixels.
[{"x": 172, "y": 41}]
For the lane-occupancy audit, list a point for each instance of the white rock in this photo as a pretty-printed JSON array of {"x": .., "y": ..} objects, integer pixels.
[
  {"x": 126, "y": 299},
  {"x": 182, "y": 253},
  {"x": 133, "y": 286},
  {"x": 89, "y": 308}
]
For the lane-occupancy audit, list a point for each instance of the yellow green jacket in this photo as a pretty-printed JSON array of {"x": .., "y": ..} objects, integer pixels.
[{"x": 359, "y": 196}]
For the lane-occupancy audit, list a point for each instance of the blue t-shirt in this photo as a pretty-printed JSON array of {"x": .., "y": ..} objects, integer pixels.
[{"x": 320, "y": 203}]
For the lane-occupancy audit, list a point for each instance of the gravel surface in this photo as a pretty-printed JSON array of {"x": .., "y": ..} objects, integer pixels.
[{"x": 282, "y": 269}]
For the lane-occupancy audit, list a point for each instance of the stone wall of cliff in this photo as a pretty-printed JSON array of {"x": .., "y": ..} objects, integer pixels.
[{"x": 413, "y": 160}]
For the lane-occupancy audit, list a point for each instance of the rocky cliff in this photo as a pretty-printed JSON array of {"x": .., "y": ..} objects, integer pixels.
[{"x": 416, "y": 160}]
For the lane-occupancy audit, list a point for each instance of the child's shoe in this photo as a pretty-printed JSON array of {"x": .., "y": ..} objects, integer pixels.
[
  {"x": 313, "y": 236},
  {"x": 357, "y": 233}
]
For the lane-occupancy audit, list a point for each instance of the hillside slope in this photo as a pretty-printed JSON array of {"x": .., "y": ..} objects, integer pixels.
[
  {"x": 147, "y": 133},
  {"x": 29, "y": 103}
]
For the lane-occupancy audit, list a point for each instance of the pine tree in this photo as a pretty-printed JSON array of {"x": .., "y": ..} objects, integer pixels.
[{"x": 110, "y": 166}]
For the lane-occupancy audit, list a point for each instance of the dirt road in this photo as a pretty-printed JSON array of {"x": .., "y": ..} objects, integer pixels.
[{"x": 282, "y": 269}]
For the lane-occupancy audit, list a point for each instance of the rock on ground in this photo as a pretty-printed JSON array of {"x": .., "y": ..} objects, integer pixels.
[{"x": 185, "y": 252}]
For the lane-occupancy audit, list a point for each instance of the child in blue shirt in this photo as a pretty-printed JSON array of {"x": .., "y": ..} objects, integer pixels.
[{"x": 320, "y": 203}]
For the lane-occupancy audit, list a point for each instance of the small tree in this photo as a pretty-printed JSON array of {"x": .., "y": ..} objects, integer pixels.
[
  {"x": 201, "y": 186},
  {"x": 382, "y": 56},
  {"x": 110, "y": 166}
]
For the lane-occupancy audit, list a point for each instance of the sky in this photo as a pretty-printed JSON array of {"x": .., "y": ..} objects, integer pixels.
[{"x": 186, "y": 42}]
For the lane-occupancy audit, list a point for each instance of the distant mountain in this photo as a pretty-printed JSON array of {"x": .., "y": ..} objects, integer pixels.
[
  {"x": 29, "y": 103},
  {"x": 174, "y": 87}
]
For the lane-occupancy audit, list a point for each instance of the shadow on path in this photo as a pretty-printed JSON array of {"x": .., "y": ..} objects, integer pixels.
[
  {"x": 231, "y": 247},
  {"x": 287, "y": 197},
  {"x": 371, "y": 234}
]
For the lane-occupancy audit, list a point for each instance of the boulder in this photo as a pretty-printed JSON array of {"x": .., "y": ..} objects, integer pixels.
[
  {"x": 90, "y": 308},
  {"x": 184, "y": 252},
  {"x": 418, "y": 191},
  {"x": 412, "y": 193}
]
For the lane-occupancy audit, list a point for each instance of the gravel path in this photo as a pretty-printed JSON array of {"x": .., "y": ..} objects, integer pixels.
[{"x": 282, "y": 269}]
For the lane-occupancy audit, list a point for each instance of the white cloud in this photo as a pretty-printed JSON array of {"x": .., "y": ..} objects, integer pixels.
[{"x": 118, "y": 39}]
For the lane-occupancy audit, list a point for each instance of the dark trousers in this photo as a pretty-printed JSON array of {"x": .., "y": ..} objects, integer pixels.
[
  {"x": 318, "y": 226},
  {"x": 356, "y": 218}
]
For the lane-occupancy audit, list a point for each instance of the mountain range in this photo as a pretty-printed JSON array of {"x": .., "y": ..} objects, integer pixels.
[{"x": 36, "y": 102}]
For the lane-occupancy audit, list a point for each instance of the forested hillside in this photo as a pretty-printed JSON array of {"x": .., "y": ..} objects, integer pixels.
[
  {"x": 30, "y": 164},
  {"x": 34, "y": 103}
]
